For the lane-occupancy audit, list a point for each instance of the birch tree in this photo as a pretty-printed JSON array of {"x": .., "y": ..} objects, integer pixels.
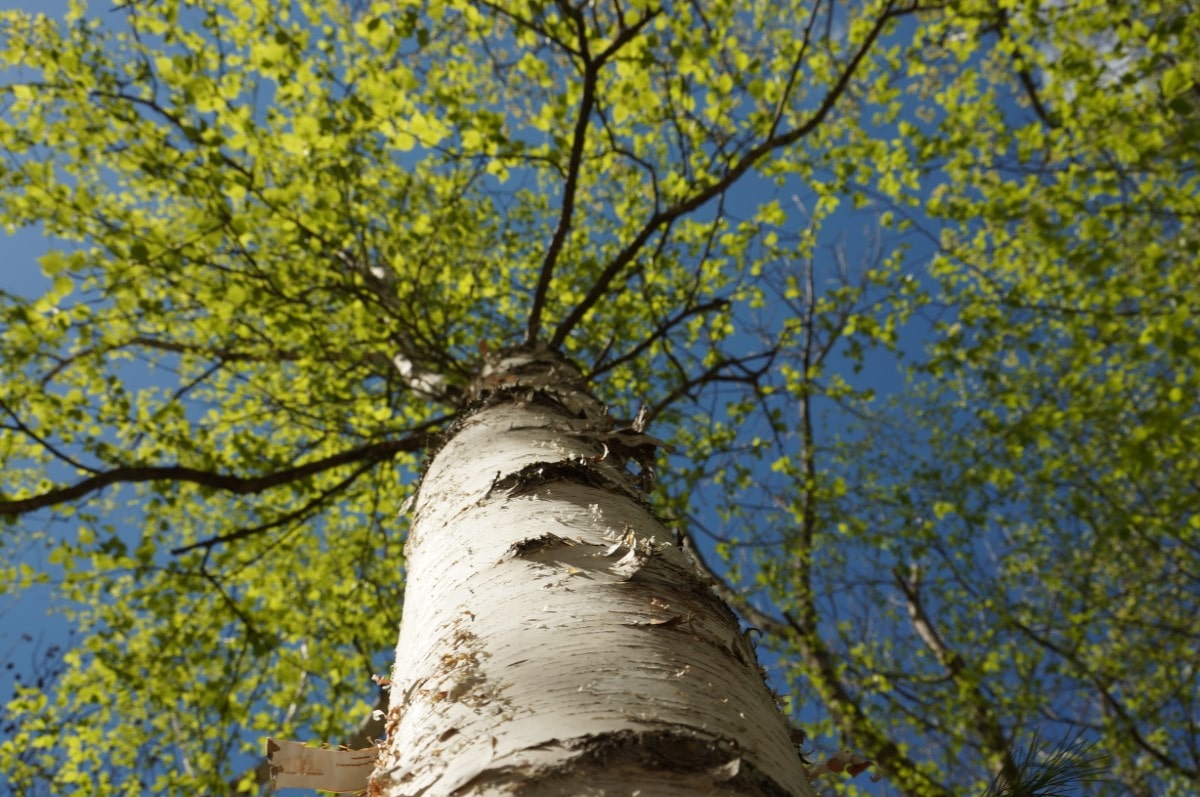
[
  {"x": 527, "y": 326},
  {"x": 556, "y": 639}
]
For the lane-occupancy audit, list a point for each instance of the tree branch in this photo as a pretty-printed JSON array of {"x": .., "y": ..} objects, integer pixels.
[
  {"x": 732, "y": 175},
  {"x": 1026, "y": 78},
  {"x": 988, "y": 726},
  {"x": 660, "y": 332},
  {"x": 713, "y": 374},
  {"x": 823, "y": 672},
  {"x": 853, "y": 721},
  {"x": 751, "y": 614},
  {"x": 242, "y": 533},
  {"x": 237, "y": 485},
  {"x": 587, "y": 103},
  {"x": 1106, "y": 696},
  {"x": 23, "y": 428}
]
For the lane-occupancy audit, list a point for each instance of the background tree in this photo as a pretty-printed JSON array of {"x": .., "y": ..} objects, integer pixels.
[{"x": 289, "y": 233}]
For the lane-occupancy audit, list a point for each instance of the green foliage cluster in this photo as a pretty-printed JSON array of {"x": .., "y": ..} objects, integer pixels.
[
  {"x": 287, "y": 231},
  {"x": 1019, "y": 532}
]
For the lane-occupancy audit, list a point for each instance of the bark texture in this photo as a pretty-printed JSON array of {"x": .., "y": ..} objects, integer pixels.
[{"x": 555, "y": 640}]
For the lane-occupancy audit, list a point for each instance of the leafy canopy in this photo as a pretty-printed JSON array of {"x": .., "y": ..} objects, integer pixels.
[{"x": 286, "y": 231}]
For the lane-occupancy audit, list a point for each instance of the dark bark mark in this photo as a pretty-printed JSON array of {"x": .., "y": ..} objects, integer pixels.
[
  {"x": 534, "y": 476},
  {"x": 530, "y": 546},
  {"x": 711, "y": 761}
]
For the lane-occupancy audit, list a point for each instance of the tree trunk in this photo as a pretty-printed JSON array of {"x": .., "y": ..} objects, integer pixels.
[{"x": 555, "y": 640}]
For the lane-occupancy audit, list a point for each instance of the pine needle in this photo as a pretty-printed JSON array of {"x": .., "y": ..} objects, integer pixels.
[{"x": 1051, "y": 771}]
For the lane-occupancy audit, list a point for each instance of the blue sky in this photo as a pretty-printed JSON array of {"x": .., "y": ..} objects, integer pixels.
[{"x": 26, "y": 614}]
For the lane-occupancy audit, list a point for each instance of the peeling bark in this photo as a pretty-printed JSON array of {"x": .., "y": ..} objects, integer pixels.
[{"x": 555, "y": 640}]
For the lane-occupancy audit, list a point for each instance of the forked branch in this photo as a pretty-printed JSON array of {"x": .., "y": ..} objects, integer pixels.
[
  {"x": 587, "y": 104},
  {"x": 775, "y": 141}
]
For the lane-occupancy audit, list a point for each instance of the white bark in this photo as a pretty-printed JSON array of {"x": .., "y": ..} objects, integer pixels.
[{"x": 555, "y": 640}]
